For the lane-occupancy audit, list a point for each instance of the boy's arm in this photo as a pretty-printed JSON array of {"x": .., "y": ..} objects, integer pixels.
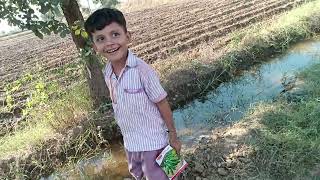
[
  {"x": 157, "y": 94},
  {"x": 166, "y": 114}
]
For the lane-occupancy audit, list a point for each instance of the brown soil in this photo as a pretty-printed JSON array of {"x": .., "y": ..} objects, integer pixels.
[{"x": 224, "y": 154}]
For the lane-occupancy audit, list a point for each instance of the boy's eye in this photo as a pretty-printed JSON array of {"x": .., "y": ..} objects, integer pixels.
[
  {"x": 100, "y": 39},
  {"x": 115, "y": 34}
]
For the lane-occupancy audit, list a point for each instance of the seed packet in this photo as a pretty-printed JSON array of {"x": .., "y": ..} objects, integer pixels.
[{"x": 171, "y": 163}]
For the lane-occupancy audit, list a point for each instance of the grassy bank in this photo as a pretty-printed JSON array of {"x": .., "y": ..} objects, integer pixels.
[
  {"x": 287, "y": 143},
  {"x": 274, "y": 140},
  {"x": 48, "y": 118},
  {"x": 43, "y": 141}
]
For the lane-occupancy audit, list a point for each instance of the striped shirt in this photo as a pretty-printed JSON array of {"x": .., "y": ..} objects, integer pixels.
[{"x": 134, "y": 94}]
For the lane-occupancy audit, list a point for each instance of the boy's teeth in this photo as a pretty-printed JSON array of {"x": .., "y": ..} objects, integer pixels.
[{"x": 111, "y": 51}]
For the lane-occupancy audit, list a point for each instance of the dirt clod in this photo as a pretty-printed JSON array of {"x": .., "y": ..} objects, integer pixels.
[{"x": 222, "y": 171}]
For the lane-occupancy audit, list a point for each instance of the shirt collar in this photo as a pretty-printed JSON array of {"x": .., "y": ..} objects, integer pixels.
[{"x": 131, "y": 62}]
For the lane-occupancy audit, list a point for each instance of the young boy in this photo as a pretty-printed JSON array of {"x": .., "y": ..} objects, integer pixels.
[{"x": 138, "y": 99}]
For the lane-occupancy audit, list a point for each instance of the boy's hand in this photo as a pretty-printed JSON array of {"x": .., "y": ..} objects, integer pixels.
[
  {"x": 166, "y": 114},
  {"x": 175, "y": 142}
]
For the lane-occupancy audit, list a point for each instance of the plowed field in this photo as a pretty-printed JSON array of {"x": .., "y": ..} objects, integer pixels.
[{"x": 157, "y": 33}]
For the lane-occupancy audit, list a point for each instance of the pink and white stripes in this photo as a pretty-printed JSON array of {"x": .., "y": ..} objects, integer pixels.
[{"x": 134, "y": 95}]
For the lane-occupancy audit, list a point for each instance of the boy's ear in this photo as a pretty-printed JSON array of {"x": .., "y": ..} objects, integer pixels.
[
  {"x": 129, "y": 35},
  {"x": 94, "y": 47}
]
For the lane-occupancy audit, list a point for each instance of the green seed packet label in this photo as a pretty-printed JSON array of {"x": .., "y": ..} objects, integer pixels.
[{"x": 171, "y": 163}]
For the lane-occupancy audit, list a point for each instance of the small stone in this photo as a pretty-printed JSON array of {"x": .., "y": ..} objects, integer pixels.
[
  {"x": 76, "y": 131},
  {"x": 204, "y": 173},
  {"x": 223, "y": 164},
  {"x": 204, "y": 136},
  {"x": 198, "y": 178},
  {"x": 230, "y": 163},
  {"x": 241, "y": 154},
  {"x": 11, "y": 160},
  {"x": 208, "y": 157},
  {"x": 234, "y": 145},
  {"x": 222, "y": 171},
  {"x": 199, "y": 167},
  {"x": 215, "y": 165},
  {"x": 2, "y": 164},
  {"x": 214, "y": 137},
  {"x": 316, "y": 172},
  {"x": 203, "y": 139},
  {"x": 244, "y": 160}
]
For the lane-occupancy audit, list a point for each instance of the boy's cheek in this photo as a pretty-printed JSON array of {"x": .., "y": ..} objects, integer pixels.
[
  {"x": 94, "y": 47},
  {"x": 98, "y": 50}
]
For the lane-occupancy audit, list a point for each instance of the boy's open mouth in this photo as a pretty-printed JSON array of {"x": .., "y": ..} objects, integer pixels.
[{"x": 113, "y": 50}]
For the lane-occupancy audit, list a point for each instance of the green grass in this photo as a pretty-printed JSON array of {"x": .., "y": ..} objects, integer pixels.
[
  {"x": 277, "y": 34},
  {"x": 288, "y": 144},
  {"x": 23, "y": 139},
  {"x": 66, "y": 109}
]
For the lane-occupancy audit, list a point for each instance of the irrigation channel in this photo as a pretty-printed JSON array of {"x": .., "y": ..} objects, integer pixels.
[{"x": 223, "y": 106}]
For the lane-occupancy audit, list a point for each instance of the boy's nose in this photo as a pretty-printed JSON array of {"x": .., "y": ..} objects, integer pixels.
[{"x": 108, "y": 43}]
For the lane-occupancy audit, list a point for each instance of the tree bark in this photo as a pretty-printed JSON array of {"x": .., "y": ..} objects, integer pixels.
[{"x": 98, "y": 89}]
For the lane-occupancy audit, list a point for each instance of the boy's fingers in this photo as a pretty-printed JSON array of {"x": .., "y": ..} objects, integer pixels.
[{"x": 177, "y": 146}]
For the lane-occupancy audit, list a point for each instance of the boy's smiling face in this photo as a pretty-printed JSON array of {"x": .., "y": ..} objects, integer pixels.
[{"x": 112, "y": 42}]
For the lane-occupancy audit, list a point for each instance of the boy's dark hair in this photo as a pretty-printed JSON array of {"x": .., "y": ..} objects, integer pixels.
[{"x": 103, "y": 17}]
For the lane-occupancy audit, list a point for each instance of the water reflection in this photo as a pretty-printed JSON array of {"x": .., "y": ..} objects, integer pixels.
[
  {"x": 112, "y": 165},
  {"x": 231, "y": 100}
]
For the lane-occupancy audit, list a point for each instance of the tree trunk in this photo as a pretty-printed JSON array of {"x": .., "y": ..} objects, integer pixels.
[{"x": 97, "y": 85}]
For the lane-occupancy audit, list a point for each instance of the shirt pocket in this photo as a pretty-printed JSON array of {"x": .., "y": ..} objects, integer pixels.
[
  {"x": 134, "y": 96},
  {"x": 133, "y": 90},
  {"x": 135, "y": 100}
]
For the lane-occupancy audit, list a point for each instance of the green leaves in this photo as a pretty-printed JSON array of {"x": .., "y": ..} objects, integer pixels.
[
  {"x": 12, "y": 88},
  {"x": 84, "y": 34},
  {"x": 75, "y": 27},
  {"x": 64, "y": 33},
  {"x": 37, "y": 33},
  {"x": 81, "y": 32},
  {"x": 24, "y": 14},
  {"x": 44, "y": 9},
  {"x": 77, "y": 32},
  {"x": 107, "y": 3},
  {"x": 78, "y": 29},
  {"x": 63, "y": 30}
]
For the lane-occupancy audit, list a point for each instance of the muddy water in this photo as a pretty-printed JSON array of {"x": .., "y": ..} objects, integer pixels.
[
  {"x": 111, "y": 165},
  {"x": 227, "y": 104}
]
